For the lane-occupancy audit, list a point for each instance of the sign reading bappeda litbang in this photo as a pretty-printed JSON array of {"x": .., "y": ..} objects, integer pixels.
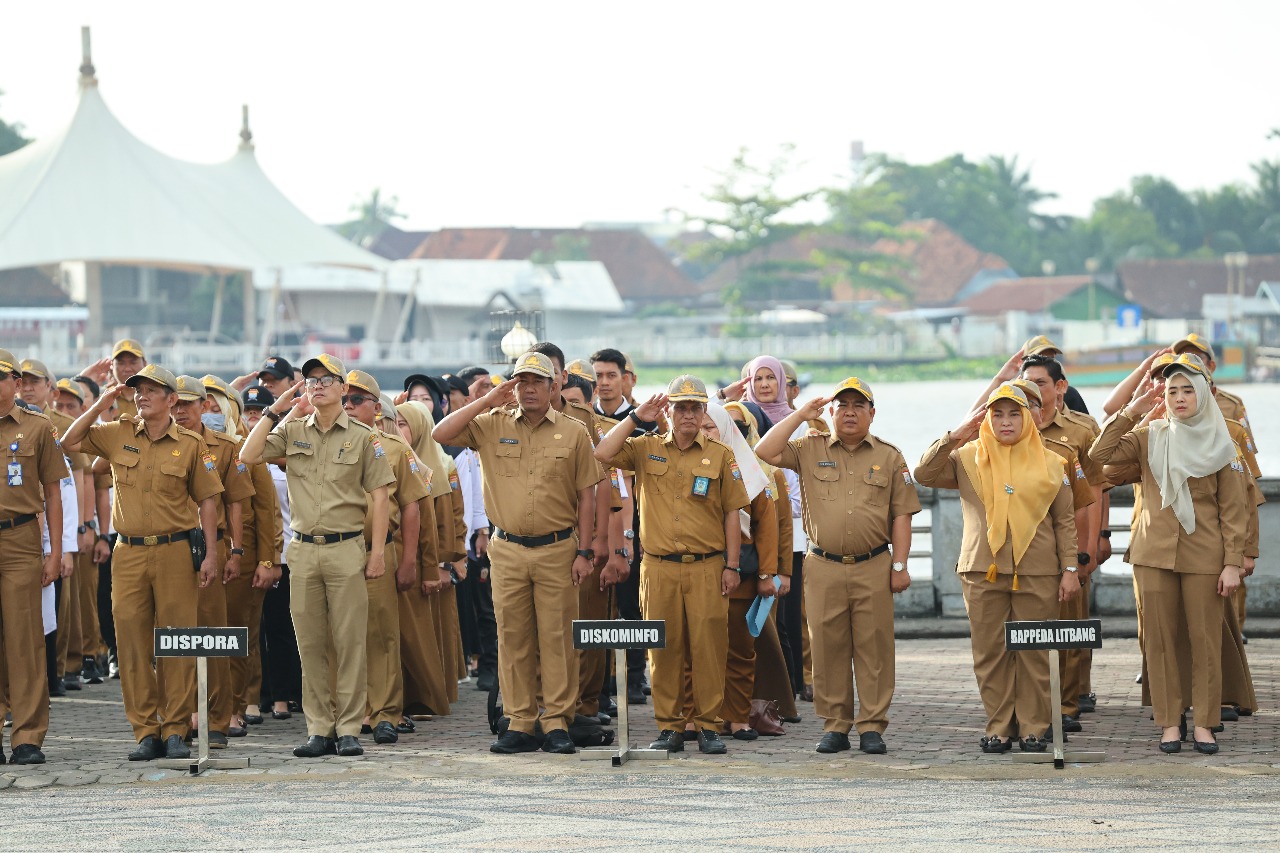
[
  {"x": 1053, "y": 634},
  {"x": 619, "y": 634},
  {"x": 202, "y": 642}
]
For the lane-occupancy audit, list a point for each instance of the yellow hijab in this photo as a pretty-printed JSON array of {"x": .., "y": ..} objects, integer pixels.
[
  {"x": 1016, "y": 482},
  {"x": 420, "y": 422}
]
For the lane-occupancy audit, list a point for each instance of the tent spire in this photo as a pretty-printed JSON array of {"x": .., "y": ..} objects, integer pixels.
[
  {"x": 246, "y": 135},
  {"x": 88, "y": 74}
]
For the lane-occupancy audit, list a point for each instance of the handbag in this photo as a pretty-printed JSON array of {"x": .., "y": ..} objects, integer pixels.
[{"x": 764, "y": 718}]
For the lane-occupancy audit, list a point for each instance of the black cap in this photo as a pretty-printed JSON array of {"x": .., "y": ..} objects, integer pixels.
[
  {"x": 277, "y": 366},
  {"x": 456, "y": 384},
  {"x": 257, "y": 397},
  {"x": 439, "y": 387}
]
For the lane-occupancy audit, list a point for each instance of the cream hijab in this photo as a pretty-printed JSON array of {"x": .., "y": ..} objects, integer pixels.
[
  {"x": 1180, "y": 448},
  {"x": 753, "y": 476},
  {"x": 420, "y": 422}
]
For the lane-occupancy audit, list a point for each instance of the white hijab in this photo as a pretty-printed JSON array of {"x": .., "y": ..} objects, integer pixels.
[
  {"x": 753, "y": 476},
  {"x": 1195, "y": 446}
]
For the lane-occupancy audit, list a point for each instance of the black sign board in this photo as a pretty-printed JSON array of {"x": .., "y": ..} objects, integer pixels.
[
  {"x": 619, "y": 634},
  {"x": 202, "y": 643},
  {"x": 1053, "y": 634}
]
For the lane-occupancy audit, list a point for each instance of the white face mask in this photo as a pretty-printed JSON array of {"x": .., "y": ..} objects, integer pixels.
[{"x": 215, "y": 421}]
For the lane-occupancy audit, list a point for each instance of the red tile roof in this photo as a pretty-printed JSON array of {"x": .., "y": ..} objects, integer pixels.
[
  {"x": 640, "y": 270},
  {"x": 1024, "y": 294},
  {"x": 1175, "y": 288},
  {"x": 30, "y": 287}
]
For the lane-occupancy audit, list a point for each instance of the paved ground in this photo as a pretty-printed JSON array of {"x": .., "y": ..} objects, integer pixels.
[{"x": 442, "y": 786}]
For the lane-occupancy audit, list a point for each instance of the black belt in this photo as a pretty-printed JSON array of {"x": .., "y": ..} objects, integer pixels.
[
  {"x": 180, "y": 536},
  {"x": 533, "y": 541},
  {"x": 686, "y": 558},
  {"x": 326, "y": 538},
  {"x": 16, "y": 521},
  {"x": 849, "y": 558},
  {"x": 390, "y": 536}
]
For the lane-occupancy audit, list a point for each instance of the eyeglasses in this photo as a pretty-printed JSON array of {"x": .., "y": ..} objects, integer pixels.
[
  {"x": 323, "y": 381},
  {"x": 357, "y": 399}
]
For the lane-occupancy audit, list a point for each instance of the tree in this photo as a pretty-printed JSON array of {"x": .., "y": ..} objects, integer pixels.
[
  {"x": 373, "y": 216},
  {"x": 1126, "y": 230},
  {"x": 11, "y": 138},
  {"x": 1175, "y": 214}
]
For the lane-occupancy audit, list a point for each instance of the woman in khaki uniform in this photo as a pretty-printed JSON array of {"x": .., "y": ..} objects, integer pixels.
[
  {"x": 1188, "y": 539},
  {"x": 1017, "y": 558}
]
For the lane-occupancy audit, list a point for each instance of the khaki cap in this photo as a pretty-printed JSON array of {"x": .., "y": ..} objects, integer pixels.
[
  {"x": 853, "y": 383},
  {"x": 128, "y": 345},
  {"x": 363, "y": 381},
  {"x": 1031, "y": 389},
  {"x": 1162, "y": 361},
  {"x": 789, "y": 369},
  {"x": 1191, "y": 361},
  {"x": 388, "y": 410},
  {"x": 535, "y": 363},
  {"x": 8, "y": 364},
  {"x": 156, "y": 374},
  {"x": 72, "y": 388},
  {"x": 687, "y": 387},
  {"x": 630, "y": 366},
  {"x": 35, "y": 368},
  {"x": 582, "y": 367},
  {"x": 328, "y": 362},
  {"x": 189, "y": 388},
  {"x": 214, "y": 383},
  {"x": 1039, "y": 344},
  {"x": 1009, "y": 391},
  {"x": 1197, "y": 341}
]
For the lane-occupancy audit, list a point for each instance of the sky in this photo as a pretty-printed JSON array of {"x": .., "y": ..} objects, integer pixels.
[{"x": 559, "y": 113}]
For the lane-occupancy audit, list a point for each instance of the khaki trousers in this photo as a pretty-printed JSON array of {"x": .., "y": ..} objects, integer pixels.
[
  {"x": 385, "y": 700},
  {"x": 244, "y": 608},
  {"x": 1237, "y": 679},
  {"x": 773, "y": 681},
  {"x": 91, "y": 644},
  {"x": 154, "y": 586},
  {"x": 1072, "y": 662},
  {"x": 1175, "y": 603},
  {"x": 328, "y": 597},
  {"x": 687, "y": 596},
  {"x": 740, "y": 665},
  {"x": 851, "y": 625},
  {"x": 420, "y": 658},
  {"x": 69, "y": 639},
  {"x": 1014, "y": 685},
  {"x": 593, "y": 664},
  {"x": 22, "y": 633},
  {"x": 451, "y": 639},
  {"x": 211, "y": 612},
  {"x": 535, "y": 603}
]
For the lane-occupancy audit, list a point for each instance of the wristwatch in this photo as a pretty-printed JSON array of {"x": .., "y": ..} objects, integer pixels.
[
  {"x": 623, "y": 553},
  {"x": 729, "y": 568},
  {"x": 1071, "y": 569},
  {"x": 91, "y": 524},
  {"x": 271, "y": 413},
  {"x": 634, "y": 417},
  {"x": 762, "y": 576},
  {"x": 587, "y": 552},
  {"x": 899, "y": 567},
  {"x": 237, "y": 552},
  {"x": 1106, "y": 534},
  {"x": 628, "y": 534},
  {"x": 1083, "y": 558},
  {"x": 266, "y": 564},
  {"x": 82, "y": 529}
]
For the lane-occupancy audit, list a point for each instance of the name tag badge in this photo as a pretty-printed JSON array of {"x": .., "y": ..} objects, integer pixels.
[
  {"x": 15, "y": 473},
  {"x": 508, "y": 441},
  {"x": 700, "y": 486}
]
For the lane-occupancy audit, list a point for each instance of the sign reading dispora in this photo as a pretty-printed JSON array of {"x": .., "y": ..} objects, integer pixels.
[
  {"x": 202, "y": 642},
  {"x": 1053, "y": 634}
]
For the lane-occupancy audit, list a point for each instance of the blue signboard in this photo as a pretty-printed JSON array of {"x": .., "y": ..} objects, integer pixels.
[{"x": 1128, "y": 316}]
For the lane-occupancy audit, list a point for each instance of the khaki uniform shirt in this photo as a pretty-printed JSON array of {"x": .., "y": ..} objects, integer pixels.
[
  {"x": 1233, "y": 409},
  {"x": 684, "y": 494},
  {"x": 785, "y": 525},
  {"x": 1081, "y": 492},
  {"x": 407, "y": 489},
  {"x": 237, "y": 486},
  {"x": 263, "y": 534},
  {"x": 850, "y": 497},
  {"x": 29, "y": 441},
  {"x": 329, "y": 472},
  {"x": 532, "y": 474},
  {"x": 1052, "y": 548},
  {"x": 598, "y": 427},
  {"x": 62, "y": 423},
  {"x": 126, "y": 407},
  {"x": 154, "y": 479},
  {"x": 1079, "y": 431},
  {"x": 1221, "y": 509}
]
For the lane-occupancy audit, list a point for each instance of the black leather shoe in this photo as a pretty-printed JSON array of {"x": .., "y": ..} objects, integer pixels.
[
  {"x": 994, "y": 745},
  {"x": 1088, "y": 703},
  {"x": 26, "y": 753},
  {"x": 1243, "y": 712},
  {"x": 57, "y": 688},
  {"x": 253, "y": 719},
  {"x": 71, "y": 681},
  {"x": 485, "y": 681},
  {"x": 237, "y": 731},
  {"x": 148, "y": 749},
  {"x": 281, "y": 715},
  {"x": 175, "y": 748},
  {"x": 1229, "y": 714},
  {"x": 316, "y": 747},
  {"x": 558, "y": 741},
  {"x": 1, "y": 757},
  {"x": 834, "y": 742},
  {"x": 1031, "y": 743},
  {"x": 1206, "y": 747},
  {"x": 217, "y": 740},
  {"x": 872, "y": 743},
  {"x": 1169, "y": 747},
  {"x": 384, "y": 732},
  {"x": 511, "y": 742},
  {"x": 349, "y": 746},
  {"x": 746, "y": 734},
  {"x": 635, "y": 694},
  {"x": 1071, "y": 724},
  {"x": 709, "y": 743},
  {"x": 689, "y": 735},
  {"x": 789, "y": 719},
  {"x": 405, "y": 727},
  {"x": 366, "y": 729},
  {"x": 670, "y": 740},
  {"x": 604, "y": 719}
]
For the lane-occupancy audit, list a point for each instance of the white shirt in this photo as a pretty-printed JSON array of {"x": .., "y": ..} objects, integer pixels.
[{"x": 282, "y": 490}]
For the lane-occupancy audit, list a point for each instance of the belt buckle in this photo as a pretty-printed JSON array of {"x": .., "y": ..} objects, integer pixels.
[
  {"x": 150, "y": 540},
  {"x": 849, "y": 559},
  {"x": 686, "y": 558},
  {"x": 319, "y": 540}
]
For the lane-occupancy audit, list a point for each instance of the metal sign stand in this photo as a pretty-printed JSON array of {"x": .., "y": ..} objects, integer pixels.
[
  {"x": 201, "y": 761},
  {"x": 623, "y": 752},
  {"x": 620, "y": 635},
  {"x": 1059, "y": 756}
]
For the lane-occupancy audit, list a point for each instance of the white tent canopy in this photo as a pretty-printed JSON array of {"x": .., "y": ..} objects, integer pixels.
[{"x": 95, "y": 192}]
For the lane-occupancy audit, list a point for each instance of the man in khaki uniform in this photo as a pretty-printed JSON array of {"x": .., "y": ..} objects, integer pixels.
[
  {"x": 335, "y": 464},
  {"x": 34, "y": 465},
  {"x": 404, "y": 519},
  {"x": 212, "y": 600},
  {"x": 539, "y": 491},
  {"x": 159, "y": 469},
  {"x": 858, "y": 501},
  {"x": 690, "y": 491}
]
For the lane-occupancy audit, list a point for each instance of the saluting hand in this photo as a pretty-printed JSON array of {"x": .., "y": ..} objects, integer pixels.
[
  {"x": 968, "y": 428},
  {"x": 735, "y": 390},
  {"x": 1145, "y": 397},
  {"x": 1012, "y": 367},
  {"x": 813, "y": 408},
  {"x": 98, "y": 371},
  {"x": 652, "y": 409},
  {"x": 242, "y": 382},
  {"x": 502, "y": 394},
  {"x": 109, "y": 397}
]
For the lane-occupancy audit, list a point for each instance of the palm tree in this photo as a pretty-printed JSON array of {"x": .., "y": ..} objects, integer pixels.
[{"x": 373, "y": 216}]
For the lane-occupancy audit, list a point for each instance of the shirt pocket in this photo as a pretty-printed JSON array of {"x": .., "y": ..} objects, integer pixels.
[
  {"x": 509, "y": 459},
  {"x": 877, "y": 490},
  {"x": 299, "y": 462},
  {"x": 827, "y": 483},
  {"x": 125, "y": 467},
  {"x": 345, "y": 456},
  {"x": 655, "y": 474},
  {"x": 172, "y": 479},
  {"x": 556, "y": 462},
  {"x": 712, "y": 476}
]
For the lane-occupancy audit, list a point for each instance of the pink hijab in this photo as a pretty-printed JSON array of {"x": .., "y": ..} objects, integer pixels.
[{"x": 778, "y": 409}]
